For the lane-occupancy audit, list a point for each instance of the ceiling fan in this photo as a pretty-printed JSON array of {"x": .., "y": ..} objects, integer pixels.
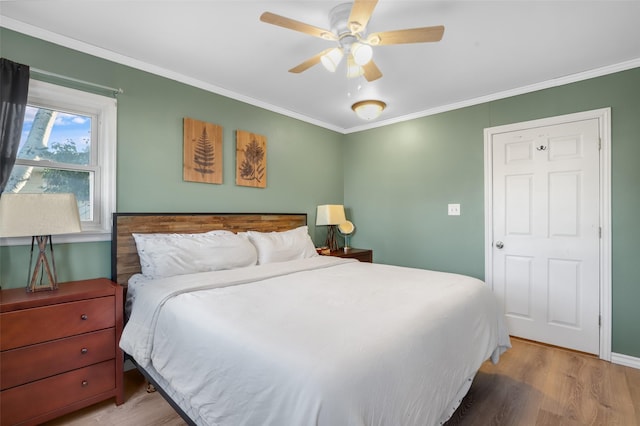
[{"x": 349, "y": 29}]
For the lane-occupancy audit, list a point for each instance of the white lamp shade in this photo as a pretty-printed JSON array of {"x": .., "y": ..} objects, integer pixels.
[
  {"x": 353, "y": 70},
  {"x": 330, "y": 214},
  {"x": 331, "y": 59},
  {"x": 362, "y": 53},
  {"x": 26, "y": 215}
]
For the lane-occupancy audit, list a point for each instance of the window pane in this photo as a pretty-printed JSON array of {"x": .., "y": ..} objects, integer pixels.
[
  {"x": 38, "y": 180},
  {"x": 64, "y": 133},
  {"x": 55, "y": 136}
]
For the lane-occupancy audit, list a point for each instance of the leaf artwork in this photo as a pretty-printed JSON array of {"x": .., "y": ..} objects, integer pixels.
[
  {"x": 202, "y": 152},
  {"x": 251, "y": 161},
  {"x": 252, "y": 168}
]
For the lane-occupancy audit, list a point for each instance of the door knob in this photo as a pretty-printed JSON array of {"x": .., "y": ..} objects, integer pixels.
[{"x": 499, "y": 244}]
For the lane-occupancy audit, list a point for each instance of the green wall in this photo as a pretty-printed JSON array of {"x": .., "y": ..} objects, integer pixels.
[
  {"x": 395, "y": 181},
  {"x": 400, "y": 178},
  {"x": 304, "y": 166}
]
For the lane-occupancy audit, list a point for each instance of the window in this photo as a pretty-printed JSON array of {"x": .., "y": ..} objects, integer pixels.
[{"x": 68, "y": 144}]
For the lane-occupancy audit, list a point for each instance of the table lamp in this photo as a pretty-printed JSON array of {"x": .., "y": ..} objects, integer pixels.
[
  {"x": 39, "y": 216},
  {"x": 331, "y": 215}
]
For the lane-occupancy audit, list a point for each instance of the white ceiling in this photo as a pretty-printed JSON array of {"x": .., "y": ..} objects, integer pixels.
[{"x": 489, "y": 49}]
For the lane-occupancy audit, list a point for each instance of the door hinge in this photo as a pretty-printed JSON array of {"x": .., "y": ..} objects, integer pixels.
[
  {"x": 600, "y": 232},
  {"x": 599, "y": 320},
  {"x": 599, "y": 144}
]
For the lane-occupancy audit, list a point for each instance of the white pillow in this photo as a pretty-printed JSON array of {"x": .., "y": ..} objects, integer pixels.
[
  {"x": 283, "y": 246},
  {"x": 165, "y": 255}
]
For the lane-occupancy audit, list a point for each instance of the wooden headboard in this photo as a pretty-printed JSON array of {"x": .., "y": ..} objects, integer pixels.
[{"x": 124, "y": 255}]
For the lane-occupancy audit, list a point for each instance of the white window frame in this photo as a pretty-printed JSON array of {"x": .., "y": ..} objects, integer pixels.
[{"x": 103, "y": 108}]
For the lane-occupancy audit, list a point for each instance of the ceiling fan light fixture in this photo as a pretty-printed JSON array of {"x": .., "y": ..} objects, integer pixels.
[
  {"x": 353, "y": 70},
  {"x": 362, "y": 53},
  {"x": 349, "y": 29},
  {"x": 368, "y": 109},
  {"x": 331, "y": 59}
]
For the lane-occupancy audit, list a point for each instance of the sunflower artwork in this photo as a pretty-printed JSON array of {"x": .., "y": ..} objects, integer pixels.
[{"x": 251, "y": 159}]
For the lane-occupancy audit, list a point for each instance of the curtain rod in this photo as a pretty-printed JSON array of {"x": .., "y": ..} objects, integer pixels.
[{"x": 75, "y": 80}]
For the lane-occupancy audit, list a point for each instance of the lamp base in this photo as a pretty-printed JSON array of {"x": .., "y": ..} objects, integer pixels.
[
  {"x": 44, "y": 275},
  {"x": 331, "y": 238}
]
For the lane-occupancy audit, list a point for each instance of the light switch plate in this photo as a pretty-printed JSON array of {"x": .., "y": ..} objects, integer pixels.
[{"x": 454, "y": 209}]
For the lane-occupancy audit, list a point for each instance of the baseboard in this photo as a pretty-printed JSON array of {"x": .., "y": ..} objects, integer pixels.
[{"x": 625, "y": 360}]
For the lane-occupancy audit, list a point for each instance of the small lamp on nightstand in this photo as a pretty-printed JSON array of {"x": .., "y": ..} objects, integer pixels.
[
  {"x": 331, "y": 215},
  {"x": 346, "y": 229},
  {"x": 39, "y": 216}
]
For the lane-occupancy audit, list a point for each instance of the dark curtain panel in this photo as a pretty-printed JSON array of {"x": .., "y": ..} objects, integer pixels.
[{"x": 14, "y": 87}]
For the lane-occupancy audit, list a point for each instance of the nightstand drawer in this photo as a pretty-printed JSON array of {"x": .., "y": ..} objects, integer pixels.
[
  {"x": 363, "y": 256},
  {"x": 38, "y": 398},
  {"x": 26, "y": 327},
  {"x": 34, "y": 362}
]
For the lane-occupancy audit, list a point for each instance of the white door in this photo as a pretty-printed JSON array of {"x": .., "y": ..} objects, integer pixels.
[{"x": 546, "y": 230}]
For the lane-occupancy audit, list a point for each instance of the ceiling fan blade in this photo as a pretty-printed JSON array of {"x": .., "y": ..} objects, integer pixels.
[
  {"x": 360, "y": 14},
  {"x": 413, "y": 35},
  {"x": 314, "y": 60},
  {"x": 292, "y": 24},
  {"x": 371, "y": 71}
]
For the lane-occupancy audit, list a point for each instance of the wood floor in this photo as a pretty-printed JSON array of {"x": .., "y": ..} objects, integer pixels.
[
  {"x": 532, "y": 384},
  {"x": 535, "y": 384}
]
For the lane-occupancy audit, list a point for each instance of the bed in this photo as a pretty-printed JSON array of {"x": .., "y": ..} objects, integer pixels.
[{"x": 257, "y": 329}]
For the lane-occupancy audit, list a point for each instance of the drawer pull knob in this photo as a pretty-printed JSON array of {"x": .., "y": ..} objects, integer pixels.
[
  {"x": 83, "y": 351},
  {"x": 84, "y": 317},
  {"x": 85, "y": 383}
]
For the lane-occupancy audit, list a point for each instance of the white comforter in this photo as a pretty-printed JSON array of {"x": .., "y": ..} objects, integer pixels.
[{"x": 319, "y": 341}]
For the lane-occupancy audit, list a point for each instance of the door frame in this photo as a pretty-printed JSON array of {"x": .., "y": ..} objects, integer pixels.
[{"x": 603, "y": 116}]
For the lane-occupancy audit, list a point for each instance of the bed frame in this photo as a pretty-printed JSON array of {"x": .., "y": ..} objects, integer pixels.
[{"x": 124, "y": 256}]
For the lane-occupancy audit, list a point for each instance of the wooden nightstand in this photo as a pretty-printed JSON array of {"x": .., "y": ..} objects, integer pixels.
[
  {"x": 363, "y": 255},
  {"x": 59, "y": 350}
]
